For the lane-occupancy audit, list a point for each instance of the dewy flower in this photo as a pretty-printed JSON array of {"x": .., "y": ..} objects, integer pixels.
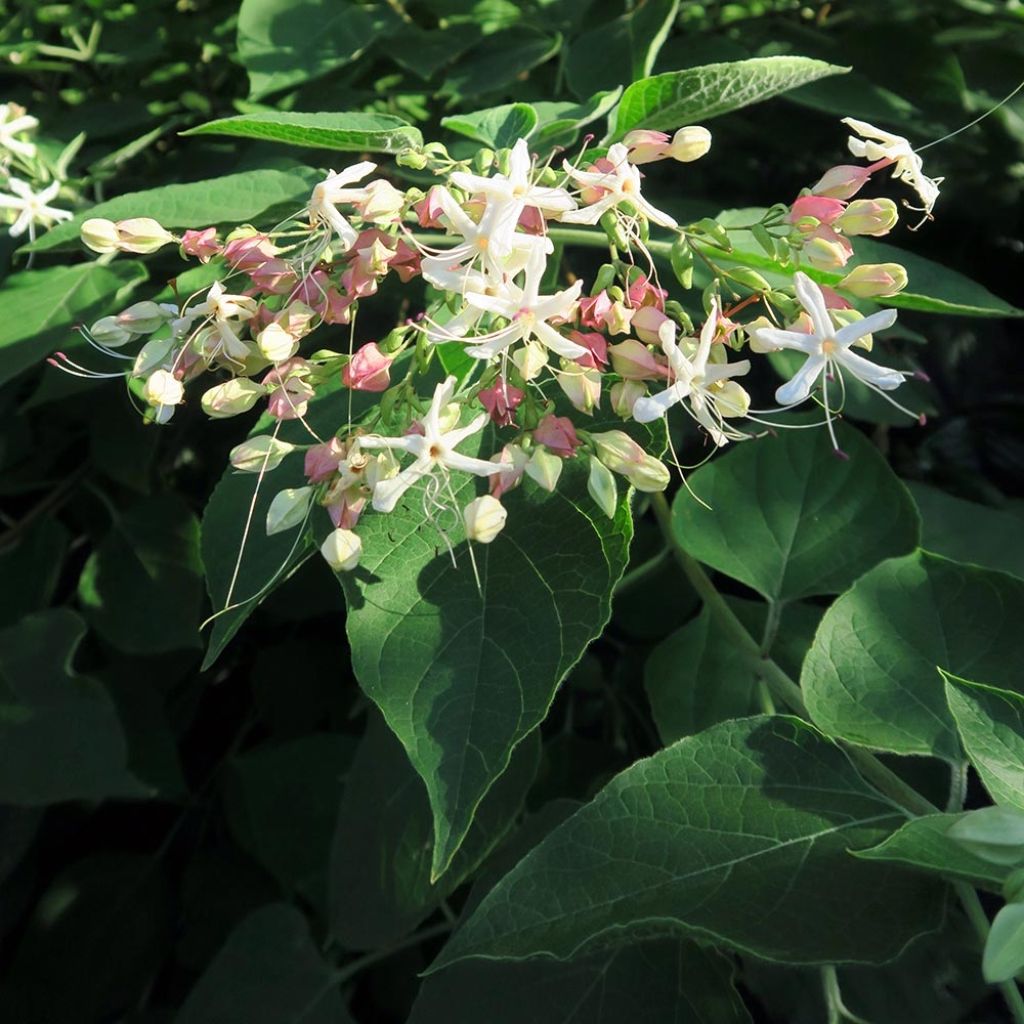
[
  {"x": 31, "y": 207},
  {"x": 323, "y": 203},
  {"x": 14, "y": 121},
  {"x": 434, "y": 450},
  {"x": 711, "y": 393},
  {"x": 876, "y": 144},
  {"x": 828, "y": 348},
  {"x": 616, "y": 181}
]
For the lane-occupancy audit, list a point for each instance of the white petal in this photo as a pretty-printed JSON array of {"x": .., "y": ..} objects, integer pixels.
[
  {"x": 847, "y": 335},
  {"x": 799, "y": 387},
  {"x": 880, "y": 376},
  {"x": 652, "y": 407},
  {"x": 809, "y": 294}
]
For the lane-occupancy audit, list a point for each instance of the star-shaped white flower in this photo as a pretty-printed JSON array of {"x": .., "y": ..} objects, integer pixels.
[
  {"x": 828, "y": 348},
  {"x": 712, "y": 394},
  {"x": 619, "y": 184},
  {"x": 13, "y": 121},
  {"x": 528, "y": 314},
  {"x": 32, "y": 207},
  {"x": 434, "y": 450},
  {"x": 517, "y": 187},
  {"x": 323, "y": 202},
  {"x": 877, "y": 144}
]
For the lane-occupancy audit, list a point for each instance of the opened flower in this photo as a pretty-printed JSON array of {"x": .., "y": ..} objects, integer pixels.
[
  {"x": 31, "y": 207},
  {"x": 323, "y": 203}
]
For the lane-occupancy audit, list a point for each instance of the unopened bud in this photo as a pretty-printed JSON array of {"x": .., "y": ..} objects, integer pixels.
[
  {"x": 368, "y": 370},
  {"x": 621, "y": 454},
  {"x": 383, "y": 202},
  {"x": 875, "y": 280},
  {"x": 581, "y": 386},
  {"x": 342, "y": 549},
  {"x": 601, "y": 487},
  {"x": 143, "y": 317},
  {"x": 163, "y": 388},
  {"x": 100, "y": 235},
  {"x": 690, "y": 143},
  {"x": 842, "y": 182},
  {"x": 530, "y": 359},
  {"x": 288, "y": 509},
  {"x": 142, "y": 235},
  {"x": 260, "y": 454},
  {"x": 544, "y": 468},
  {"x": 484, "y": 518},
  {"x": 276, "y": 344},
  {"x": 825, "y": 253},
  {"x": 868, "y": 217},
  {"x": 624, "y": 395},
  {"x": 232, "y": 398},
  {"x": 107, "y": 331},
  {"x": 633, "y": 360}
]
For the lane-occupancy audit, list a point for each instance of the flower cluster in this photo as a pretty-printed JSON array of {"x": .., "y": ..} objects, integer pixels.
[{"x": 540, "y": 346}]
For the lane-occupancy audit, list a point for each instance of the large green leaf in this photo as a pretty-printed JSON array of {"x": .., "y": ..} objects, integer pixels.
[
  {"x": 870, "y": 677},
  {"x": 647, "y": 983},
  {"x": 349, "y": 132},
  {"x": 380, "y": 864},
  {"x": 560, "y": 122},
  {"x": 790, "y": 519},
  {"x": 232, "y": 199},
  {"x": 924, "y": 844},
  {"x": 933, "y": 288},
  {"x": 498, "y": 63},
  {"x": 60, "y": 738},
  {"x": 496, "y": 127},
  {"x": 142, "y": 587},
  {"x": 41, "y": 307},
  {"x": 967, "y": 531},
  {"x": 269, "y": 972},
  {"x": 738, "y": 835},
  {"x": 284, "y": 43},
  {"x": 463, "y": 674},
  {"x": 991, "y": 725},
  {"x": 696, "y": 94}
]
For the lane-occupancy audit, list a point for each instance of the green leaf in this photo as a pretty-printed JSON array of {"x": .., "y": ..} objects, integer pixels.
[
  {"x": 424, "y": 52},
  {"x": 284, "y": 43},
  {"x": 925, "y": 845},
  {"x": 499, "y": 62},
  {"x": 59, "y": 734},
  {"x": 994, "y": 833},
  {"x": 697, "y": 94},
  {"x": 738, "y": 835},
  {"x": 698, "y": 677},
  {"x": 232, "y": 199},
  {"x": 348, "y": 132},
  {"x": 1003, "y": 958},
  {"x": 790, "y": 519},
  {"x": 380, "y": 864},
  {"x": 646, "y": 983},
  {"x": 560, "y": 122},
  {"x": 142, "y": 587},
  {"x": 269, "y": 972},
  {"x": 277, "y": 793},
  {"x": 41, "y": 307},
  {"x": 35, "y": 561},
  {"x": 991, "y": 726},
  {"x": 933, "y": 288},
  {"x": 870, "y": 676},
  {"x": 497, "y": 127},
  {"x": 967, "y": 531},
  {"x": 463, "y": 674}
]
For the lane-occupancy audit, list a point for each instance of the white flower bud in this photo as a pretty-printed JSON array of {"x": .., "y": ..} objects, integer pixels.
[
  {"x": 288, "y": 509},
  {"x": 624, "y": 395},
  {"x": 484, "y": 518},
  {"x": 234, "y": 396},
  {"x": 544, "y": 468},
  {"x": 601, "y": 487},
  {"x": 873, "y": 280},
  {"x": 143, "y": 317},
  {"x": 342, "y": 549},
  {"x": 163, "y": 388},
  {"x": 690, "y": 143},
  {"x": 276, "y": 344},
  {"x": 262, "y": 453},
  {"x": 107, "y": 331},
  {"x": 621, "y": 454},
  {"x": 100, "y": 235},
  {"x": 151, "y": 356},
  {"x": 141, "y": 235},
  {"x": 530, "y": 359}
]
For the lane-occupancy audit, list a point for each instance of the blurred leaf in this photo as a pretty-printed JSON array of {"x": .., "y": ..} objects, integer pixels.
[
  {"x": 269, "y": 972},
  {"x": 35, "y": 561},
  {"x": 498, "y": 127},
  {"x": 231, "y": 199},
  {"x": 499, "y": 62},
  {"x": 424, "y": 52},
  {"x": 646, "y": 983},
  {"x": 991, "y": 726},
  {"x": 349, "y": 132},
  {"x": 42, "y": 306},
  {"x": 1004, "y": 947},
  {"x": 380, "y": 865},
  {"x": 59, "y": 734},
  {"x": 560, "y": 122},
  {"x": 870, "y": 678},
  {"x": 788, "y": 518},
  {"x": 697, "y": 94},
  {"x": 723, "y": 835},
  {"x": 142, "y": 588}
]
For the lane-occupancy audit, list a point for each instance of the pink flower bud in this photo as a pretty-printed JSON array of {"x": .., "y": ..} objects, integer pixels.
[
  {"x": 368, "y": 370},
  {"x": 874, "y": 217},
  {"x": 202, "y": 244},
  {"x": 646, "y": 322},
  {"x": 345, "y": 512},
  {"x": 406, "y": 262},
  {"x": 275, "y": 277},
  {"x": 501, "y": 400},
  {"x": 596, "y": 346},
  {"x": 823, "y": 209},
  {"x": 633, "y": 360},
  {"x": 646, "y": 146},
  {"x": 593, "y": 309},
  {"x": 429, "y": 209},
  {"x": 249, "y": 253},
  {"x": 558, "y": 435},
  {"x": 513, "y": 461},
  {"x": 826, "y": 249},
  {"x": 873, "y": 280},
  {"x": 642, "y": 293},
  {"x": 531, "y": 220},
  {"x": 322, "y": 460},
  {"x": 842, "y": 182}
]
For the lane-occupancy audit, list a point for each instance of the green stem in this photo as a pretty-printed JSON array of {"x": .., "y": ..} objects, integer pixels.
[
  {"x": 873, "y": 770},
  {"x": 558, "y": 236},
  {"x": 355, "y": 966}
]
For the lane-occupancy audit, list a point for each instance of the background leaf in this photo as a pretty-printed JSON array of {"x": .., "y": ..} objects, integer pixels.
[{"x": 497, "y": 127}]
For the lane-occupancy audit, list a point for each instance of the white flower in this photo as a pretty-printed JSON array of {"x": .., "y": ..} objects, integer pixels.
[
  {"x": 711, "y": 393},
  {"x": 516, "y": 187},
  {"x": 31, "y": 206},
  {"x": 434, "y": 450},
  {"x": 881, "y": 145},
  {"x": 163, "y": 391},
  {"x": 332, "y": 190},
  {"x": 619, "y": 184},
  {"x": 14, "y": 120},
  {"x": 828, "y": 348},
  {"x": 527, "y": 313}
]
